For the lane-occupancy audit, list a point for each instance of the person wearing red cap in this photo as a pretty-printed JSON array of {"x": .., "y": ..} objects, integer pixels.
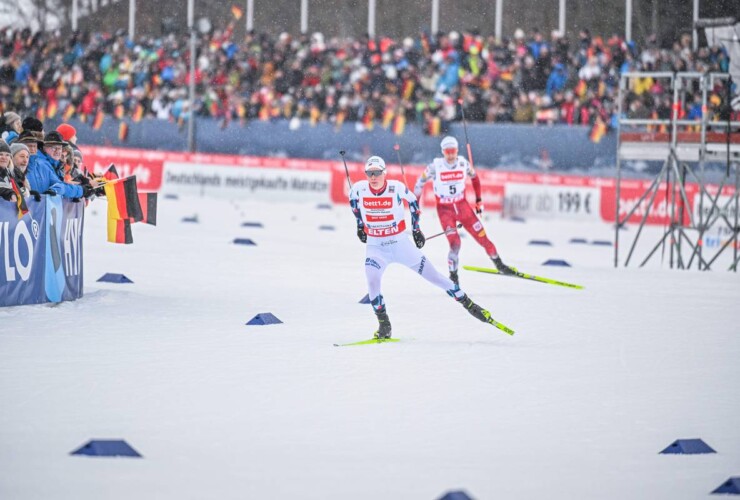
[{"x": 69, "y": 134}]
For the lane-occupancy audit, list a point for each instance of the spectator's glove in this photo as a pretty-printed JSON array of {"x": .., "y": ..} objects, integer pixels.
[
  {"x": 419, "y": 238},
  {"x": 7, "y": 194},
  {"x": 361, "y": 233},
  {"x": 87, "y": 191},
  {"x": 478, "y": 206},
  {"x": 36, "y": 195},
  {"x": 49, "y": 192},
  {"x": 10, "y": 136},
  {"x": 99, "y": 191}
]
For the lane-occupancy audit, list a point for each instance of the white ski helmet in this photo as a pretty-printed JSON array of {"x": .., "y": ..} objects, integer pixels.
[
  {"x": 448, "y": 142},
  {"x": 375, "y": 163}
]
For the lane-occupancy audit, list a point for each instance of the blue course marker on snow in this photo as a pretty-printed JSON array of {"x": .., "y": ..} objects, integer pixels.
[
  {"x": 251, "y": 224},
  {"x": 324, "y": 206},
  {"x": 244, "y": 241},
  {"x": 170, "y": 197},
  {"x": 107, "y": 448},
  {"x": 578, "y": 240},
  {"x": 556, "y": 262},
  {"x": 193, "y": 219},
  {"x": 541, "y": 243},
  {"x": 729, "y": 487},
  {"x": 264, "y": 319},
  {"x": 326, "y": 228},
  {"x": 456, "y": 495},
  {"x": 687, "y": 447},
  {"x": 602, "y": 243},
  {"x": 114, "y": 278},
  {"x": 516, "y": 218}
]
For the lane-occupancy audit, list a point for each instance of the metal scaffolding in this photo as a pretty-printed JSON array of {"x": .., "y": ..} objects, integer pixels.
[{"x": 686, "y": 147}]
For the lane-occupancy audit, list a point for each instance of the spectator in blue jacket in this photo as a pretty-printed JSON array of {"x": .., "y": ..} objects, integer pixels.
[
  {"x": 557, "y": 79},
  {"x": 46, "y": 171}
]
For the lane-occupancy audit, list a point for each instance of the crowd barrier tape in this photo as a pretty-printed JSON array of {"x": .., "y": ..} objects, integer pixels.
[
  {"x": 521, "y": 194},
  {"x": 42, "y": 252}
]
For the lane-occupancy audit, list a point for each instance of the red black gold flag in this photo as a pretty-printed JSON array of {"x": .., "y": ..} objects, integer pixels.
[
  {"x": 123, "y": 132},
  {"x": 123, "y": 199},
  {"x": 387, "y": 118},
  {"x": 236, "y": 12},
  {"x": 435, "y": 126},
  {"x": 138, "y": 113},
  {"x": 98, "y": 121},
  {"x": 69, "y": 112},
  {"x": 41, "y": 113},
  {"x": 20, "y": 201},
  {"x": 51, "y": 109},
  {"x": 111, "y": 173},
  {"x": 148, "y": 202},
  {"x": 119, "y": 231},
  {"x": 399, "y": 124},
  {"x": 118, "y": 111},
  {"x": 598, "y": 131}
]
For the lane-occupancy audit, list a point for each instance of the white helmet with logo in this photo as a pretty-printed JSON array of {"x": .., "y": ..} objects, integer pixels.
[
  {"x": 375, "y": 163},
  {"x": 449, "y": 142}
]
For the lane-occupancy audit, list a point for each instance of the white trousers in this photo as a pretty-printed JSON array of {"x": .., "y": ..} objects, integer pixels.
[{"x": 402, "y": 251}]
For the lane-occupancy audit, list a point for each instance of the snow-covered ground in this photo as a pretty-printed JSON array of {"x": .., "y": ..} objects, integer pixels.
[{"x": 577, "y": 404}]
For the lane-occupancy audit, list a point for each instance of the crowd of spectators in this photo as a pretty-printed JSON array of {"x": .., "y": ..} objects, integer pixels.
[{"x": 530, "y": 78}]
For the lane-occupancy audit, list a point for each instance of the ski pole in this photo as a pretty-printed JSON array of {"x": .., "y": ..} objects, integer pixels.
[
  {"x": 465, "y": 128},
  {"x": 397, "y": 149},
  {"x": 446, "y": 231},
  {"x": 346, "y": 170}
]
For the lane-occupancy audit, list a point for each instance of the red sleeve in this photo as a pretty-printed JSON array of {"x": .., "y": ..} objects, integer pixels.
[{"x": 476, "y": 186}]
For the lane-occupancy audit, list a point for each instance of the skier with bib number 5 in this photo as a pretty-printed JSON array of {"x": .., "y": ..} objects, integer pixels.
[
  {"x": 448, "y": 175},
  {"x": 377, "y": 204}
]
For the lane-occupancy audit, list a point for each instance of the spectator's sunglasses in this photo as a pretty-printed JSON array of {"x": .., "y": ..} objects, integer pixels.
[
  {"x": 373, "y": 173},
  {"x": 449, "y": 151}
]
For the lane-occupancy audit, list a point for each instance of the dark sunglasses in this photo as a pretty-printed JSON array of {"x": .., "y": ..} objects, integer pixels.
[{"x": 374, "y": 173}]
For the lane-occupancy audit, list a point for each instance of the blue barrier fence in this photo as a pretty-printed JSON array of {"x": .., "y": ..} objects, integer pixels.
[
  {"x": 559, "y": 148},
  {"x": 42, "y": 252}
]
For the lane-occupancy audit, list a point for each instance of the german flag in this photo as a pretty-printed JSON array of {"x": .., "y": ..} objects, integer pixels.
[
  {"x": 388, "y": 115},
  {"x": 407, "y": 90},
  {"x": 51, "y": 109},
  {"x": 20, "y": 201},
  {"x": 41, "y": 113},
  {"x": 119, "y": 231},
  {"x": 237, "y": 12},
  {"x": 98, "y": 121},
  {"x": 315, "y": 114},
  {"x": 123, "y": 132},
  {"x": 597, "y": 131},
  {"x": 399, "y": 124},
  {"x": 111, "y": 173},
  {"x": 435, "y": 126},
  {"x": 581, "y": 88},
  {"x": 123, "y": 200},
  {"x": 341, "y": 116},
  {"x": 69, "y": 112},
  {"x": 118, "y": 111},
  {"x": 148, "y": 202},
  {"x": 138, "y": 113},
  {"x": 368, "y": 119}
]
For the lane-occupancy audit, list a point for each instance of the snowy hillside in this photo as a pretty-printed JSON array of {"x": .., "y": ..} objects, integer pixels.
[{"x": 577, "y": 404}]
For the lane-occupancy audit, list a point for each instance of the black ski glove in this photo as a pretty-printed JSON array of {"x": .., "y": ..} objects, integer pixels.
[
  {"x": 49, "y": 192},
  {"x": 361, "y": 233},
  {"x": 419, "y": 238},
  {"x": 87, "y": 190},
  {"x": 36, "y": 195}
]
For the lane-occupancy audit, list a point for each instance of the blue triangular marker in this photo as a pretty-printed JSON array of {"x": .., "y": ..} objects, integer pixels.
[
  {"x": 602, "y": 243},
  {"x": 244, "y": 241},
  {"x": 556, "y": 262},
  {"x": 326, "y": 228},
  {"x": 542, "y": 243},
  {"x": 456, "y": 495},
  {"x": 365, "y": 299},
  {"x": 251, "y": 224},
  {"x": 193, "y": 219},
  {"x": 114, "y": 278},
  {"x": 107, "y": 448},
  {"x": 170, "y": 196},
  {"x": 729, "y": 487},
  {"x": 264, "y": 319},
  {"x": 688, "y": 447},
  {"x": 324, "y": 206},
  {"x": 578, "y": 240}
]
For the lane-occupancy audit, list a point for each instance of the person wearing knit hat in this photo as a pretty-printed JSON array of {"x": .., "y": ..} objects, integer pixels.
[
  {"x": 68, "y": 132},
  {"x": 20, "y": 155},
  {"x": 10, "y": 127}
]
